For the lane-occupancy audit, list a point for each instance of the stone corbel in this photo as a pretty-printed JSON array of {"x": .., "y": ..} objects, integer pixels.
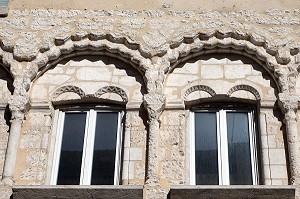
[{"x": 289, "y": 106}]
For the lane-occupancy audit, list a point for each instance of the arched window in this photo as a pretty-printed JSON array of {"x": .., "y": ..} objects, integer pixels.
[
  {"x": 88, "y": 147},
  {"x": 223, "y": 145}
]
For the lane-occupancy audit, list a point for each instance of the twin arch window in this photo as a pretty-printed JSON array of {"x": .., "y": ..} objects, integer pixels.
[{"x": 223, "y": 147}]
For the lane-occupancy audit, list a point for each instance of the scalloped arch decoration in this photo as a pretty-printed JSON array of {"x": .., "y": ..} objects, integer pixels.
[
  {"x": 112, "y": 89},
  {"x": 68, "y": 88},
  {"x": 246, "y": 88},
  {"x": 115, "y": 47},
  {"x": 274, "y": 64},
  {"x": 192, "y": 89}
]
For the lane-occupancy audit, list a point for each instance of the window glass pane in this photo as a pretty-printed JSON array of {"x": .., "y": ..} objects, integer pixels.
[
  {"x": 206, "y": 153},
  {"x": 105, "y": 149},
  {"x": 71, "y": 149},
  {"x": 240, "y": 170}
]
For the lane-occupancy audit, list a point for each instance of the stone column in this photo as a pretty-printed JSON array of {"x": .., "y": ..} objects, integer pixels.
[
  {"x": 289, "y": 106},
  {"x": 154, "y": 103},
  {"x": 18, "y": 105}
]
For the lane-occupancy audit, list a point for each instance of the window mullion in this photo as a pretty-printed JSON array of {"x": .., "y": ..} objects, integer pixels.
[
  {"x": 87, "y": 156},
  {"x": 60, "y": 126},
  {"x": 224, "y": 149},
  {"x": 219, "y": 147},
  {"x": 118, "y": 150},
  {"x": 192, "y": 150},
  {"x": 252, "y": 148}
]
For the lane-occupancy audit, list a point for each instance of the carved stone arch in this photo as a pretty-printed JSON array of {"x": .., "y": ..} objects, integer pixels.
[
  {"x": 274, "y": 61},
  {"x": 91, "y": 44},
  {"x": 245, "y": 88},
  {"x": 194, "y": 88},
  {"x": 68, "y": 88},
  {"x": 112, "y": 89}
]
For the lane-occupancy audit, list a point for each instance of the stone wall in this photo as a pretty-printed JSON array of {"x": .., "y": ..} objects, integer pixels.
[{"x": 167, "y": 56}]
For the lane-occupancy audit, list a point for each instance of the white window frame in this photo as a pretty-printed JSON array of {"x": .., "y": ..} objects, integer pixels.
[
  {"x": 88, "y": 146},
  {"x": 222, "y": 142}
]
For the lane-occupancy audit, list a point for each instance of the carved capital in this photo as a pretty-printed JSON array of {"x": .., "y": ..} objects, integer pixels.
[
  {"x": 154, "y": 80},
  {"x": 154, "y": 103},
  {"x": 19, "y": 101},
  {"x": 289, "y": 106}
]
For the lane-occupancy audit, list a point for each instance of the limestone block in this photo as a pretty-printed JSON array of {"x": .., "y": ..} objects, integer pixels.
[
  {"x": 176, "y": 80},
  {"x": 127, "y": 81},
  {"x": 214, "y": 61},
  {"x": 196, "y": 95},
  {"x": 278, "y": 171},
  {"x": 135, "y": 153},
  {"x": 237, "y": 71},
  {"x": 243, "y": 94},
  {"x": 67, "y": 96},
  {"x": 70, "y": 71},
  {"x": 188, "y": 68},
  {"x": 33, "y": 173},
  {"x": 86, "y": 63},
  {"x": 56, "y": 70},
  {"x": 53, "y": 79},
  {"x": 211, "y": 72},
  {"x": 2, "y": 158},
  {"x": 30, "y": 141},
  {"x": 36, "y": 158},
  {"x": 94, "y": 74},
  {"x": 277, "y": 156},
  {"x": 174, "y": 171},
  {"x": 259, "y": 80},
  {"x": 39, "y": 92},
  {"x": 138, "y": 138}
]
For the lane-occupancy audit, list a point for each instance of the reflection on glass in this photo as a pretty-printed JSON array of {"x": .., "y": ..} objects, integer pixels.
[
  {"x": 105, "y": 149},
  {"x": 239, "y": 149},
  {"x": 71, "y": 149},
  {"x": 206, "y": 153}
]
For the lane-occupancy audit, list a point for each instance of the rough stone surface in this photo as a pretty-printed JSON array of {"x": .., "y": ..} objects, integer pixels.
[
  {"x": 77, "y": 192},
  {"x": 232, "y": 192}
]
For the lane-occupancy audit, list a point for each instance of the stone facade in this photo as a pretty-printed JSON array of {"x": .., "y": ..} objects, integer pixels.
[{"x": 157, "y": 64}]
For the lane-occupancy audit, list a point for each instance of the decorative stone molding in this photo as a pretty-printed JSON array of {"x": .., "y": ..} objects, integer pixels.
[
  {"x": 68, "y": 88},
  {"x": 93, "y": 43},
  {"x": 154, "y": 80},
  {"x": 246, "y": 88},
  {"x": 198, "y": 88},
  {"x": 154, "y": 104},
  {"x": 97, "y": 95},
  {"x": 112, "y": 89},
  {"x": 209, "y": 43},
  {"x": 289, "y": 105}
]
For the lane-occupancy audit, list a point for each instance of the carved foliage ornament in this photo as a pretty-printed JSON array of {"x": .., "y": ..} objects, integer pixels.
[
  {"x": 82, "y": 95},
  {"x": 199, "y": 88},
  {"x": 246, "y": 88}
]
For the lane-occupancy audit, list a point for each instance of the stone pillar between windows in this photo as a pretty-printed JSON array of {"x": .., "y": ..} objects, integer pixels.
[
  {"x": 18, "y": 105},
  {"x": 289, "y": 106},
  {"x": 154, "y": 102}
]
